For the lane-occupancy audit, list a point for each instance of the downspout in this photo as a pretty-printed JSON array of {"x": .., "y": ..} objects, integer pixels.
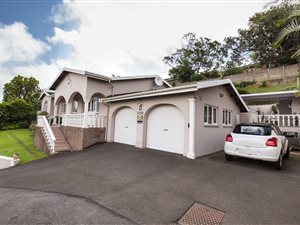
[{"x": 112, "y": 87}]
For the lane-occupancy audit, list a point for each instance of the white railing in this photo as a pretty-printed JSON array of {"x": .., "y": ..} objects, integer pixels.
[
  {"x": 50, "y": 138},
  {"x": 82, "y": 120},
  {"x": 281, "y": 120}
]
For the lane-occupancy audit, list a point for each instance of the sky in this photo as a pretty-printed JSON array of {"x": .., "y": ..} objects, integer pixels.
[{"x": 40, "y": 37}]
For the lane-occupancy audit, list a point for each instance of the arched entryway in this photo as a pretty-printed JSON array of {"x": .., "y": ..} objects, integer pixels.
[
  {"x": 165, "y": 129},
  {"x": 76, "y": 103},
  {"x": 61, "y": 105}
]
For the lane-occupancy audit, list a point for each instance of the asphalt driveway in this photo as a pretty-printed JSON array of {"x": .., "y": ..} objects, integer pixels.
[{"x": 119, "y": 184}]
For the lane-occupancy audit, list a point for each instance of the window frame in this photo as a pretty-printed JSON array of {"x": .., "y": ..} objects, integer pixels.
[
  {"x": 210, "y": 115},
  {"x": 227, "y": 117}
]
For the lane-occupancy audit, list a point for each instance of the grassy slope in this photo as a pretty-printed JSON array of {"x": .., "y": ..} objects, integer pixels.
[
  {"x": 272, "y": 88},
  {"x": 9, "y": 145}
]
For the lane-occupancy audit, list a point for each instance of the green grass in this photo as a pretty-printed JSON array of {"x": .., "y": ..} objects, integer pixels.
[
  {"x": 20, "y": 141},
  {"x": 272, "y": 88}
]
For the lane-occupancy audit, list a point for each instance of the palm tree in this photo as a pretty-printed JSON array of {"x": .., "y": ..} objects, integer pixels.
[{"x": 292, "y": 27}]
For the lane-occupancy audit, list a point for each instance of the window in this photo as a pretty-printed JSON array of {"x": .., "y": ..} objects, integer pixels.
[
  {"x": 226, "y": 117},
  {"x": 45, "y": 106},
  {"x": 210, "y": 115},
  {"x": 94, "y": 105}
]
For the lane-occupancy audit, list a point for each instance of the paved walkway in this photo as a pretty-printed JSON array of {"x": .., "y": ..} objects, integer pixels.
[{"x": 126, "y": 184}]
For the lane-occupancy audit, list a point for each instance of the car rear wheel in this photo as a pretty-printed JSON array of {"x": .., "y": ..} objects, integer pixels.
[
  {"x": 287, "y": 154},
  {"x": 228, "y": 157},
  {"x": 278, "y": 164}
]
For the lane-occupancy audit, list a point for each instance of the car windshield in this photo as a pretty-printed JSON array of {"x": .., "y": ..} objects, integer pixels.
[{"x": 252, "y": 130}]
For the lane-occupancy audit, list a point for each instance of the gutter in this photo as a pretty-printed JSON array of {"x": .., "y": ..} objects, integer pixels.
[{"x": 160, "y": 92}]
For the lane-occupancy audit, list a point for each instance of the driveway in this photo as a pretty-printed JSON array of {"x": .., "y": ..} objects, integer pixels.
[{"x": 120, "y": 184}]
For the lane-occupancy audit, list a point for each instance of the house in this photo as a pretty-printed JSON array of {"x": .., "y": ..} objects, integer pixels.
[
  {"x": 287, "y": 108},
  {"x": 144, "y": 111}
]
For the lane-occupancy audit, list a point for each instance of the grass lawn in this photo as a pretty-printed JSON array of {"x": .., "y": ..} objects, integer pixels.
[
  {"x": 20, "y": 141},
  {"x": 272, "y": 88}
]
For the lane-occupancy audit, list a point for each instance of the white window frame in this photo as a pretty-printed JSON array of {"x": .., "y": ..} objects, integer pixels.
[
  {"x": 227, "y": 117},
  {"x": 210, "y": 115}
]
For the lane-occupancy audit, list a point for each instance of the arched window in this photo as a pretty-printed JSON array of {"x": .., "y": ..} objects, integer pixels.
[{"x": 45, "y": 106}]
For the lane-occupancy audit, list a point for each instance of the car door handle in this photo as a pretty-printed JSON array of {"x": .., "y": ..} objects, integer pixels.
[
  {"x": 165, "y": 129},
  {"x": 126, "y": 127}
]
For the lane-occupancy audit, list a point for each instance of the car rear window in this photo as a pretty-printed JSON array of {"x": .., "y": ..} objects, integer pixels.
[{"x": 252, "y": 130}]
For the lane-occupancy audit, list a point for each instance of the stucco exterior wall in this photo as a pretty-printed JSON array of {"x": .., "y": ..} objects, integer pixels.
[
  {"x": 77, "y": 83},
  {"x": 50, "y": 107},
  {"x": 127, "y": 86},
  {"x": 97, "y": 86},
  {"x": 210, "y": 138},
  {"x": 180, "y": 101},
  {"x": 296, "y": 106}
]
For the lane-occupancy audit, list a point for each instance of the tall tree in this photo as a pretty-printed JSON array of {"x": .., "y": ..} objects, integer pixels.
[
  {"x": 26, "y": 88},
  {"x": 198, "y": 58},
  {"x": 255, "y": 43}
]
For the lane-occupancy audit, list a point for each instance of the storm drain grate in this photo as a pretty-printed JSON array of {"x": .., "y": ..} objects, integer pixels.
[{"x": 200, "y": 214}]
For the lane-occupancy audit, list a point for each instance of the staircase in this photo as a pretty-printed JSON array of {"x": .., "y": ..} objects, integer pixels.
[{"x": 61, "y": 142}]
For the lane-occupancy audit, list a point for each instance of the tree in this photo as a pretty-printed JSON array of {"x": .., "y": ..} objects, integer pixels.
[
  {"x": 255, "y": 44},
  {"x": 197, "y": 59},
  {"x": 22, "y": 88},
  {"x": 291, "y": 31}
]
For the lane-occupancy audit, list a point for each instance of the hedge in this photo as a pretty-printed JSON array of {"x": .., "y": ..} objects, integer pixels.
[{"x": 17, "y": 113}]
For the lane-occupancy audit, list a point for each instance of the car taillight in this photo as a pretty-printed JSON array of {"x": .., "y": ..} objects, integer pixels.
[
  {"x": 272, "y": 142},
  {"x": 229, "y": 138}
]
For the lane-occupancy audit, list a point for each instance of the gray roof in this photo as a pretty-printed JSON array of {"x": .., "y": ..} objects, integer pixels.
[
  {"x": 99, "y": 76},
  {"x": 274, "y": 96}
]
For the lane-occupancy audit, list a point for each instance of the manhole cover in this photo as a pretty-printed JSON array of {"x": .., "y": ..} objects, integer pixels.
[{"x": 200, "y": 214}]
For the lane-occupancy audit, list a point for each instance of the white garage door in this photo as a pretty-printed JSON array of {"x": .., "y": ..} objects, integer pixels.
[
  {"x": 125, "y": 126},
  {"x": 165, "y": 129}
]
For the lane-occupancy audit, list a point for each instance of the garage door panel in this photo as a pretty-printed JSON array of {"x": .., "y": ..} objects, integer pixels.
[
  {"x": 165, "y": 129},
  {"x": 125, "y": 126}
]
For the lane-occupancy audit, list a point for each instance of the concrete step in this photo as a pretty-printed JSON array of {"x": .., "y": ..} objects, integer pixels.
[{"x": 61, "y": 142}]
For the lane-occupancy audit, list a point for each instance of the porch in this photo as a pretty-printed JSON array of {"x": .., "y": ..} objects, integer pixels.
[{"x": 286, "y": 122}]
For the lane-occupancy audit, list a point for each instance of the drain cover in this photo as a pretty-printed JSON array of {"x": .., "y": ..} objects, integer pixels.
[{"x": 200, "y": 214}]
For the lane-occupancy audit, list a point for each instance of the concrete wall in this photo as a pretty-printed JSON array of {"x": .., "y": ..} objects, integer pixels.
[
  {"x": 210, "y": 138},
  {"x": 80, "y": 138},
  {"x": 274, "y": 75},
  {"x": 39, "y": 140}
]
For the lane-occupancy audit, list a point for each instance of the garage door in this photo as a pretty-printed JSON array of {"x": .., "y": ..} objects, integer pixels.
[
  {"x": 125, "y": 126},
  {"x": 165, "y": 129}
]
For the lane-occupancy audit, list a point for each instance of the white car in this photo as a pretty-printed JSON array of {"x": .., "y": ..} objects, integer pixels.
[{"x": 257, "y": 141}]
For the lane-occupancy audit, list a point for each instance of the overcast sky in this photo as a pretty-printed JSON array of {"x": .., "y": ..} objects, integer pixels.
[{"x": 39, "y": 38}]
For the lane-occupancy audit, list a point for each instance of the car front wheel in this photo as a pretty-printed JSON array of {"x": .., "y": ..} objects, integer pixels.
[
  {"x": 228, "y": 157},
  {"x": 278, "y": 164}
]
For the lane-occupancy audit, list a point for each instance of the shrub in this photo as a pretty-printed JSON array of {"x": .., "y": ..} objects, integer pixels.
[
  {"x": 242, "y": 90},
  {"x": 244, "y": 84},
  {"x": 15, "y": 114},
  {"x": 263, "y": 84},
  {"x": 232, "y": 71}
]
